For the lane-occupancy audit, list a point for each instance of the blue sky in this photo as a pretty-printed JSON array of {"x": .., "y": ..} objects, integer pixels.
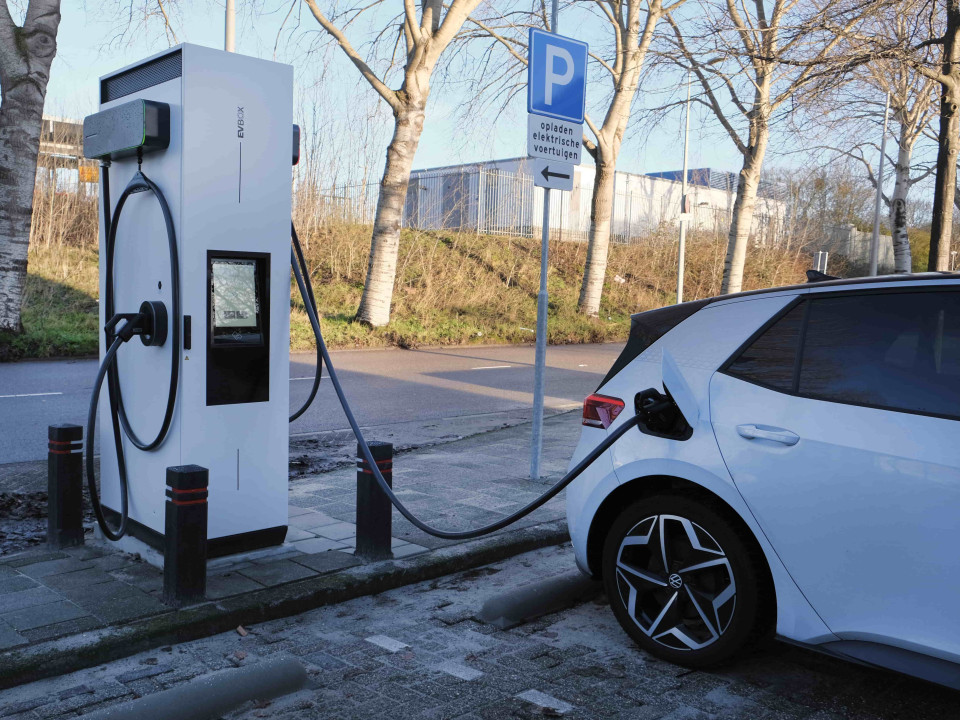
[{"x": 85, "y": 52}]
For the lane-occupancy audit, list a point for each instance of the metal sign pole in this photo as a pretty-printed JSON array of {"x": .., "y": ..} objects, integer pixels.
[{"x": 540, "y": 360}]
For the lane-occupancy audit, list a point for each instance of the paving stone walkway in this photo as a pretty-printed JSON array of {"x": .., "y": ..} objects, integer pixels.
[
  {"x": 420, "y": 652},
  {"x": 46, "y": 595}
]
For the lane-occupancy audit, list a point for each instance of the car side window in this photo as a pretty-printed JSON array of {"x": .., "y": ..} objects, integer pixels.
[
  {"x": 897, "y": 350},
  {"x": 770, "y": 360}
]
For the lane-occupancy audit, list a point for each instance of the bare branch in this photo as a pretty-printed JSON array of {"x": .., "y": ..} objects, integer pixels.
[{"x": 369, "y": 75}]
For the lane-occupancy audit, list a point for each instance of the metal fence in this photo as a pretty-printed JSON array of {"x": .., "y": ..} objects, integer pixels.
[{"x": 495, "y": 202}]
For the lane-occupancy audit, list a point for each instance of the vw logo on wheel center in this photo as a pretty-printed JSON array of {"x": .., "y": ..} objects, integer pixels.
[{"x": 675, "y": 581}]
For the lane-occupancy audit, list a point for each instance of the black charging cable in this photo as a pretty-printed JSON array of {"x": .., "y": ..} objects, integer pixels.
[
  {"x": 151, "y": 325},
  {"x": 312, "y": 302},
  {"x": 307, "y": 292}
]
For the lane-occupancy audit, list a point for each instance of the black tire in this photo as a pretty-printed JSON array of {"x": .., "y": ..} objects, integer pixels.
[{"x": 691, "y": 631}]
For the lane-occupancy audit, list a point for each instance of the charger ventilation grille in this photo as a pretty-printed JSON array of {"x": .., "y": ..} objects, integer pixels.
[{"x": 159, "y": 70}]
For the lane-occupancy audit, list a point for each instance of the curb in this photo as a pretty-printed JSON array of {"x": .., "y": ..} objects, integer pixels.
[{"x": 76, "y": 652}]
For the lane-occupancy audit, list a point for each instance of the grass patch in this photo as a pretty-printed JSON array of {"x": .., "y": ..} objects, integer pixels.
[
  {"x": 451, "y": 289},
  {"x": 60, "y": 306}
]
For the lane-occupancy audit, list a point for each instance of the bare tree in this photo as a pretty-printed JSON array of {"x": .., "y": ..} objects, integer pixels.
[
  {"x": 632, "y": 41},
  {"x": 912, "y": 107},
  {"x": 26, "y": 52},
  {"x": 760, "y": 59},
  {"x": 133, "y": 19},
  {"x": 426, "y": 32},
  {"x": 909, "y": 43},
  {"x": 949, "y": 137}
]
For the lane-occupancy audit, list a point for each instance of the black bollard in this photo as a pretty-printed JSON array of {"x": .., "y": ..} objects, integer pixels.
[
  {"x": 185, "y": 535},
  {"x": 374, "y": 512},
  {"x": 64, "y": 486}
]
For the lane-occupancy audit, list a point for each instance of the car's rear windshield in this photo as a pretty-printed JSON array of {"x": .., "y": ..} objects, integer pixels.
[{"x": 648, "y": 327}]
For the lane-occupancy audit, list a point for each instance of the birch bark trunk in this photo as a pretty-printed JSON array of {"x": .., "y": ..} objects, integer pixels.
[
  {"x": 949, "y": 140},
  {"x": 633, "y": 42},
  {"x": 742, "y": 220},
  {"x": 25, "y": 57},
  {"x": 902, "y": 260},
  {"x": 942, "y": 222},
  {"x": 385, "y": 244},
  {"x": 600, "y": 212}
]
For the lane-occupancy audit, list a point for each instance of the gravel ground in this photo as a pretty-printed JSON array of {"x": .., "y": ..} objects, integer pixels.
[{"x": 418, "y": 652}]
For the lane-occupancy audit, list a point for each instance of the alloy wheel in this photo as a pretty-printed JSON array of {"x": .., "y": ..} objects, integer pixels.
[{"x": 675, "y": 582}]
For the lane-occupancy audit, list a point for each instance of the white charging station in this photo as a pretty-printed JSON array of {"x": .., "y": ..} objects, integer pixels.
[{"x": 227, "y": 180}]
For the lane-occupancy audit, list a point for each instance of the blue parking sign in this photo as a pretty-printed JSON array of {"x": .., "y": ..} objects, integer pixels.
[{"x": 556, "y": 76}]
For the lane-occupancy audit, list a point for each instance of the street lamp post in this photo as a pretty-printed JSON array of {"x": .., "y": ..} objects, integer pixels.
[
  {"x": 230, "y": 27},
  {"x": 684, "y": 205}
]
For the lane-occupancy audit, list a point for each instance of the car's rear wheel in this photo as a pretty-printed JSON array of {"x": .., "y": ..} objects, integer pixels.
[{"x": 681, "y": 581}]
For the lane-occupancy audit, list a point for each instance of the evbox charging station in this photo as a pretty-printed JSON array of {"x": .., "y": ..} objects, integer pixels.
[
  {"x": 225, "y": 120},
  {"x": 195, "y": 144}
]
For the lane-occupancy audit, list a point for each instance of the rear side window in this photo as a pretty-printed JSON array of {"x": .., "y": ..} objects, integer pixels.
[
  {"x": 771, "y": 359},
  {"x": 648, "y": 327},
  {"x": 896, "y": 350},
  {"x": 899, "y": 351}
]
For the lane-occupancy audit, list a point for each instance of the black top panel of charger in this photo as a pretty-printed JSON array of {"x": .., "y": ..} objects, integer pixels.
[{"x": 122, "y": 131}]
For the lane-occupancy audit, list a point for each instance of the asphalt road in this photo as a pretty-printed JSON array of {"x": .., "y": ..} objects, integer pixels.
[
  {"x": 384, "y": 386},
  {"x": 422, "y": 652}
]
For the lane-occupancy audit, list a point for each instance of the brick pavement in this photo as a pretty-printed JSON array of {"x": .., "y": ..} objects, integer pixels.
[
  {"x": 46, "y": 595},
  {"x": 418, "y": 652}
]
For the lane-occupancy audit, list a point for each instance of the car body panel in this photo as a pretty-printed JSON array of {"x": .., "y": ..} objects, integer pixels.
[
  {"x": 864, "y": 506},
  {"x": 722, "y": 327},
  {"x": 908, "y": 462}
]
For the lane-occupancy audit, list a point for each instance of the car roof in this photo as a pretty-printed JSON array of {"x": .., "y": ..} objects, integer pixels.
[
  {"x": 841, "y": 283},
  {"x": 838, "y": 283}
]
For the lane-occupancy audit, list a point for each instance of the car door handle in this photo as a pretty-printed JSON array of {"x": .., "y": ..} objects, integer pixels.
[{"x": 754, "y": 432}]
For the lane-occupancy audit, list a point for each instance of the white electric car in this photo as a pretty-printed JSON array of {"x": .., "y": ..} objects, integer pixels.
[{"x": 797, "y": 471}]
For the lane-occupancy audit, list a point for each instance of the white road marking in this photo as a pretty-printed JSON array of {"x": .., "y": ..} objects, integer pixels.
[
  {"x": 458, "y": 670},
  {"x": 308, "y": 377},
  {"x": 387, "y": 643},
  {"x": 541, "y": 699},
  {"x": 30, "y": 395},
  {"x": 491, "y": 367},
  {"x": 582, "y": 365}
]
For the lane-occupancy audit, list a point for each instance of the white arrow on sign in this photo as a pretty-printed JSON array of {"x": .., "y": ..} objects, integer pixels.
[{"x": 552, "y": 174}]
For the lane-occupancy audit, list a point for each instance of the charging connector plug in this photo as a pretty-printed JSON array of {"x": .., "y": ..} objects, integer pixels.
[{"x": 150, "y": 324}]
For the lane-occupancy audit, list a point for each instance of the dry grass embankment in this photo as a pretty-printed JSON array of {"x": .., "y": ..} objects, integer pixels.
[
  {"x": 451, "y": 288},
  {"x": 465, "y": 288}
]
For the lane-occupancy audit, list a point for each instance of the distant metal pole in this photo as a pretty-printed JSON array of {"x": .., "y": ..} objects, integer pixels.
[
  {"x": 875, "y": 244},
  {"x": 230, "y": 28},
  {"x": 683, "y": 199},
  {"x": 540, "y": 359}
]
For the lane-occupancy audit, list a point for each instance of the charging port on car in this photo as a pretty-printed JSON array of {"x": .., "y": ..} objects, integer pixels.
[{"x": 660, "y": 415}]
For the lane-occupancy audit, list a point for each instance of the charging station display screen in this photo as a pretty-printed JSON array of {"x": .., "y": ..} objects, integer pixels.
[{"x": 235, "y": 301}]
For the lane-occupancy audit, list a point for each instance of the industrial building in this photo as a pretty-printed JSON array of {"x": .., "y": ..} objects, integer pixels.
[{"x": 498, "y": 197}]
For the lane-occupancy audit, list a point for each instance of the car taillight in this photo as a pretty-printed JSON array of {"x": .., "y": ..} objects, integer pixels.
[{"x": 600, "y": 411}]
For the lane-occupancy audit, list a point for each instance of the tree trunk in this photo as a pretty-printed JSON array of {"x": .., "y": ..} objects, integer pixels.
[
  {"x": 743, "y": 207},
  {"x": 949, "y": 139},
  {"x": 600, "y": 211},
  {"x": 902, "y": 261},
  {"x": 24, "y": 71},
  {"x": 382, "y": 267}
]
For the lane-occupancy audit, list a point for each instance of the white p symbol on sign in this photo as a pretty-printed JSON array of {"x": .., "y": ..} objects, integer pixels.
[{"x": 555, "y": 52}]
